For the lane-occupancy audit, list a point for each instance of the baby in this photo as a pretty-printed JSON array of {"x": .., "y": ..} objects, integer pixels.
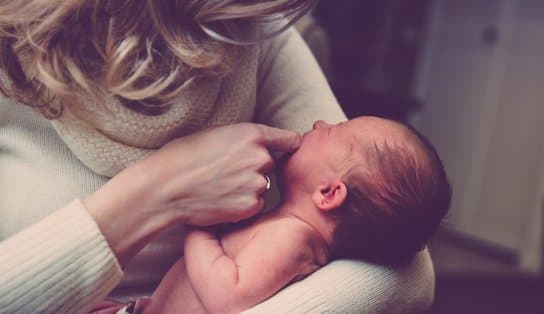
[{"x": 369, "y": 188}]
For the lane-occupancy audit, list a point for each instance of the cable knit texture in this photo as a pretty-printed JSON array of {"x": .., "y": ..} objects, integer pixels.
[
  {"x": 53, "y": 258},
  {"x": 119, "y": 136},
  {"x": 45, "y": 255}
]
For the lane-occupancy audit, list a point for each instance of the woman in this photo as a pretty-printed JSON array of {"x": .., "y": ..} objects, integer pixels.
[{"x": 124, "y": 90}]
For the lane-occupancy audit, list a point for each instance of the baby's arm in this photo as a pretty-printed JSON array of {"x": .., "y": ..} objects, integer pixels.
[{"x": 268, "y": 262}]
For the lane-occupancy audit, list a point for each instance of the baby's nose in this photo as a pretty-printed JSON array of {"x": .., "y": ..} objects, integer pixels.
[{"x": 319, "y": 124}]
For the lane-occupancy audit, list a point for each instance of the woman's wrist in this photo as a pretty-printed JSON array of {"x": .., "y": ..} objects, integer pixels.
[{"x": 123, "y": 210}]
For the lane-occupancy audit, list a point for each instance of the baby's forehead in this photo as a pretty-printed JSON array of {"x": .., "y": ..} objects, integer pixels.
[
  {"x": 370, "y": 131},
  {"x": 367, "y": 132},
  {"x": 374, "y": 137},
  {"x": 376, "y": 126}
]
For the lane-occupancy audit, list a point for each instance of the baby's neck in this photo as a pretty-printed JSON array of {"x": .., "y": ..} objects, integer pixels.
[{"x": 317, "y": 221}]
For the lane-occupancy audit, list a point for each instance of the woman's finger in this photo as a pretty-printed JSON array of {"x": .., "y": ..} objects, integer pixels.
[
  {"x": 279, "y": 140},
  {"x": 268, "y": 165}
]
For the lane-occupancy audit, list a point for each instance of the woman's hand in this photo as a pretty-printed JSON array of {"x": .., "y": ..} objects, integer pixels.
[
  {"x": 216, "y": 175},
  {"x": 206, "y": 178}
]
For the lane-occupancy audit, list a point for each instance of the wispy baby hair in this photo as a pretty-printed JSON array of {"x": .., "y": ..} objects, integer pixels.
[{"x": 395, "y": 202}]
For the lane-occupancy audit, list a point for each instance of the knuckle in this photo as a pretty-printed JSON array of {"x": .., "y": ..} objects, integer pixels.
[
  {"x": 258, "y": 157},
  {"x": 259, "y": 182},
  {"x": 263, "y": 156},
  {"x": 251, "y": 131},
  {"x": 257, "y": 205},
  {"x": 256, "y": 132},
  {"x": 293, "y": 142},
  {"x": 248, "y": 131},
  {"x": 252, "y": 203}
]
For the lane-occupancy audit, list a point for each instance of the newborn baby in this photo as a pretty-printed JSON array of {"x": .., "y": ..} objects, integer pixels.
[{"x": 369, "y": 188}]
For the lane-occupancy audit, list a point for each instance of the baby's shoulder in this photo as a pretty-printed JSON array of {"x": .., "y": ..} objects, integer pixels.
[{"x": 297, "y": 237}]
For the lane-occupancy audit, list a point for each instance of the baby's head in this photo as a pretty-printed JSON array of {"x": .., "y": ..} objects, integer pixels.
[{"x": 380, "y": 182}]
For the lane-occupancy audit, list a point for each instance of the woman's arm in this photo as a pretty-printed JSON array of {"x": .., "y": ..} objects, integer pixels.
[
  {"x": 348, "y": 286},
  {"x": 70, "y": 260}
]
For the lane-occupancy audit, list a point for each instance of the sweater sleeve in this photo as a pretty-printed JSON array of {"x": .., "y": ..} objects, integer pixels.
[
  {"x": 292, "y": 90},
  {"x": 347, "y": 286},
  {"x": 62, "y": 264}
]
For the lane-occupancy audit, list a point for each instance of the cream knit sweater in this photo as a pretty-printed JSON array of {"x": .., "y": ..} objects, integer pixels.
[{"x": 53, "y": 257}]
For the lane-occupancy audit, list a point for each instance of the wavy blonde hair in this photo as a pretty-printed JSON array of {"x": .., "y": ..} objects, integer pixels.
[{"x": 140, "y": 51}]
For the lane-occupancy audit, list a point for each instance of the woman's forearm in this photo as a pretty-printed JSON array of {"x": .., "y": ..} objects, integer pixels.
[{"x": 123, "y": 210}]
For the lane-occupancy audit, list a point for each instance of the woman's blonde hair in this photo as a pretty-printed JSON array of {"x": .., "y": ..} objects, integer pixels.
[{"x": 141, "y": 51}]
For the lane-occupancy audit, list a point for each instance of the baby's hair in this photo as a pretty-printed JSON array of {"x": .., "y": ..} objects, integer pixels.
[
  {"x": 395, "y": 202},
  {"x": 143, "y": 52}
]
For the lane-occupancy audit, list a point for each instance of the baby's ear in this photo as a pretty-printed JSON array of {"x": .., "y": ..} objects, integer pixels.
[{"x": 330, "y": 196}]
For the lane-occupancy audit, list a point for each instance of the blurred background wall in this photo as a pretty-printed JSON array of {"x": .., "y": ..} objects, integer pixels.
[{"x": 469, "y": 74}]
